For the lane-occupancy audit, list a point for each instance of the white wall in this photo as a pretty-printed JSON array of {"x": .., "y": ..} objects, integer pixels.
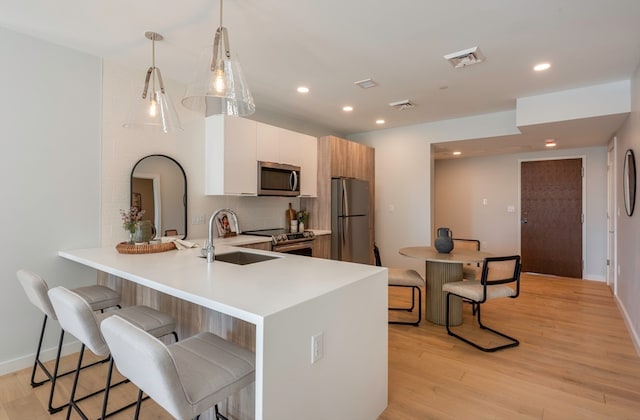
[
  {"x": 50, "y": 172},
  {"x": 628, "y": 228},
  {"x": 403, "y": 195},
  {"x": 462, "y": 184}
]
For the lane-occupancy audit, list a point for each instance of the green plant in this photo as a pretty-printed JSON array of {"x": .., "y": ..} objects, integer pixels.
[{"x": 130, "y": 218}]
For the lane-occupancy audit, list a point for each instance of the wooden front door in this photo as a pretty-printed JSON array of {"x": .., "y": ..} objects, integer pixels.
[{"x": 551, "y": 218}]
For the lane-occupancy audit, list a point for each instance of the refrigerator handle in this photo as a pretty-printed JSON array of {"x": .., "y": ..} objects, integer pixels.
[{"x": 345, "y": 202}]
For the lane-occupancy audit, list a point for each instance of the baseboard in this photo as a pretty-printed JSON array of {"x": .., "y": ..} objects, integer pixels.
[
  {"x": 594, "y": 277},
  {"x": 627, "y": 321},
  {"x": 26, "y": 361}
]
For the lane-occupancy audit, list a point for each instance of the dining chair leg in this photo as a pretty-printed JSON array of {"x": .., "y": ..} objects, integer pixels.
[{"x": 414, "y": 290}]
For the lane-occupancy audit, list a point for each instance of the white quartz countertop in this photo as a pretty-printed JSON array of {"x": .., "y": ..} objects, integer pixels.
[{"x": 249, "y": 292}]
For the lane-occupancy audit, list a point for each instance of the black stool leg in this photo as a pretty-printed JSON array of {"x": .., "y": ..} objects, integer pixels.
[
  {"x": 72, "y": 404},
  {"x": 138, "y": 404},
  {"x": 54, "y": 377},
  {"x": 37, "y": 362}
]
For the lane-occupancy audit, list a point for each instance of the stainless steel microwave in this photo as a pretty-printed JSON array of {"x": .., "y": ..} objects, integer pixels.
[{"x": 278, "y": 179}]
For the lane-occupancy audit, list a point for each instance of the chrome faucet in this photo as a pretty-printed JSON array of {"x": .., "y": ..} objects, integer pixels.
[{"x": 209, "y": 250}]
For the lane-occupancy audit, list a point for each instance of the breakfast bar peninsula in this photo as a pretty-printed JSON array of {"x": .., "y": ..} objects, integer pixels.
[{"x": 318, "y": 327}]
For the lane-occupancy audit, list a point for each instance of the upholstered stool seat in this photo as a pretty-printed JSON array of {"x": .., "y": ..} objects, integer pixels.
[
  {"x": 185, "y": 378},
  {"x": 77, "y": 318},
  {"x": 99, "y": 297},
  {"x": 36, "y": 288}
]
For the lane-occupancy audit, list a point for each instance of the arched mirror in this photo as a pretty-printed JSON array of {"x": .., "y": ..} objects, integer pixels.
[
  {"x": 159, "y": 187},
  {"x": 629, "y": 182}
]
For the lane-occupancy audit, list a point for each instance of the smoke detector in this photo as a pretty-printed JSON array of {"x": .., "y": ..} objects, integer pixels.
[
  {"x": 465, "y": 58},
  {"x": 402, "y": 105}
]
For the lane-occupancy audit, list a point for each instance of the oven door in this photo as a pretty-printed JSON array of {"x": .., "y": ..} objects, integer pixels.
[{"x": 304, "y": 248}]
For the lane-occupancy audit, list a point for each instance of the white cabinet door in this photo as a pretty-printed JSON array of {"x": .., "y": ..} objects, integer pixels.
[
  {"x": 268, "y": 143},
  {"x": 230, "y": 156},
  {"x": 308, "y": 152}
]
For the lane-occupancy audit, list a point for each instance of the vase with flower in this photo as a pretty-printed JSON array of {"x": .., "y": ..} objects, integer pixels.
[
  {"x": 303, "y": 220},
  {"x": 130, "y": 219}
]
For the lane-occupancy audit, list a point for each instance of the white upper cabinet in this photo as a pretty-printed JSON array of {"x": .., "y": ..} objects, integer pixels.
[
  {"x": 230, "y": 156},
  {"x": 308, "y": 152},
  {"x": 279, "y": 145}
]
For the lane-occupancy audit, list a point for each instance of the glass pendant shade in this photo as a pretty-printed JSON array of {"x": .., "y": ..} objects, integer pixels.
[
  {"x": 219, "y": 87},
  {"x": 153, "y": 109}
]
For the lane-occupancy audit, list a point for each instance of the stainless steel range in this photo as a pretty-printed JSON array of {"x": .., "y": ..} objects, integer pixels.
[{"x": 300, "y": 243}]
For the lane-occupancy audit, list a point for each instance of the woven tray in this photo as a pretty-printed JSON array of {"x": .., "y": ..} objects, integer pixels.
[{"x": 125, "y": 248}]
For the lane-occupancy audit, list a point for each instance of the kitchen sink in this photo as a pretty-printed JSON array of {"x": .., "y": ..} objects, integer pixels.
[{"x": 243, "y": 258}]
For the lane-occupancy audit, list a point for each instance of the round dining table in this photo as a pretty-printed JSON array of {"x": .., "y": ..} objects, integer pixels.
[{"x": 443, "y": 268}]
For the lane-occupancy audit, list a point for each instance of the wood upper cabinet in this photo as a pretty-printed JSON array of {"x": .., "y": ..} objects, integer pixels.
[
  {"x": 274, "y": 144},
  {"x": 230, "y": 156},
  {"x": 351, "y": 160}
]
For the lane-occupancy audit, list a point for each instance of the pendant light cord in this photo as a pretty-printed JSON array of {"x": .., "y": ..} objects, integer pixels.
[
  {"x": 153, "y": 64},
  {"x": 220, "y": 13}
]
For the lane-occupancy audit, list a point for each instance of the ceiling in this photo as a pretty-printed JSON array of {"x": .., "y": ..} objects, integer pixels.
[{"x": 328, "y": 45}]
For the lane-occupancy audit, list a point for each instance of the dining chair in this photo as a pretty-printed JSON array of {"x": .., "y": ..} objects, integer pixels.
[
  {"x": 500, "y": 278},
  {"x": 77, "y": 318},
  {"x": 98, "y": 297},
  {"x": 406, "y": 278},
  {"x": 185, "y": 378},
  {"x": 470, "y": 271}
]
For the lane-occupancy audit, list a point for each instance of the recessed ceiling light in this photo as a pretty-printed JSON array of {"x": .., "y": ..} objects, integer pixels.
[
  {"x": 366, "y": 83},
  {"x": 303, "y": 89},
  {"x": 380, "y": 121},
  {"x": 347, "y": 108},
  {"x": 542, "y": 67},
  {"x": 456, "y": 153},
  {"x": 550, "y": 143}
]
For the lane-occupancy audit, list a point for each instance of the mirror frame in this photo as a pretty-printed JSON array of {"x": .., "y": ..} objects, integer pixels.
[
  {"x": 629, "y": 182},
  {"x": 184, "y": 177}
]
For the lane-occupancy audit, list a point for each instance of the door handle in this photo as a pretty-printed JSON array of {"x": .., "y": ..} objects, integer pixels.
[{"x": 524, "y": 221}]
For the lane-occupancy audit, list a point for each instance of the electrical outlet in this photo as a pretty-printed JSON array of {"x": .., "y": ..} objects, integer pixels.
[{"x": 317, "y": 347}]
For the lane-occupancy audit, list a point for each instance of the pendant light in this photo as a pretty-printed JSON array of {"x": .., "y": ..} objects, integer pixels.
[
  {"x": 219, "y": 86},
  {"x": 154, "y": 108}
]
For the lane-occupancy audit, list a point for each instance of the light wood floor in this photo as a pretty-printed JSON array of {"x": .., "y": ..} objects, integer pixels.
[{"x": 575, "y": 361}]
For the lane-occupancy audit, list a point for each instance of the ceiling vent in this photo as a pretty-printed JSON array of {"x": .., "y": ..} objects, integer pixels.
[
  {"x": 402, "y": 105},
  {"x": 366, "y": 83},
  {"x": 465, "y": 58}
]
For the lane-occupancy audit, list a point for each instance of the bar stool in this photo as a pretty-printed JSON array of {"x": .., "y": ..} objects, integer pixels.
[
  {"x": 77, "y": 318},
  {"x": 185, "y": 378},
  {"x": 99, "y": 298}
]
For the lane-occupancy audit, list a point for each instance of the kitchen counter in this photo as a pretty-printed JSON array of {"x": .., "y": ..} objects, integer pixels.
[{"x": 289, "y": 299}]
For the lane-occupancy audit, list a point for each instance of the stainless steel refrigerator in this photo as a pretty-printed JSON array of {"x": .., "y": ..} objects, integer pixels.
[{"x": 350, "y": 220}]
